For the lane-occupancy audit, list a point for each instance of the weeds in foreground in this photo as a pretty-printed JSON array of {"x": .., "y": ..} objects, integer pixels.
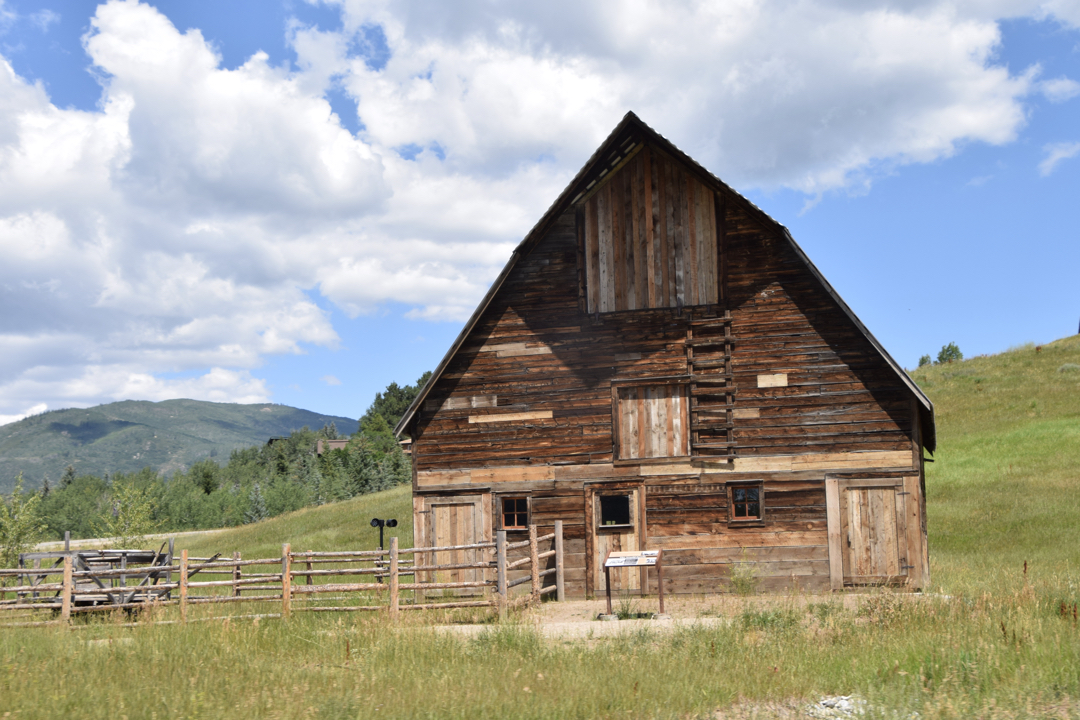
[
  {"x": 744, "y": 576},
  {"x": 1008, "y": 651}
]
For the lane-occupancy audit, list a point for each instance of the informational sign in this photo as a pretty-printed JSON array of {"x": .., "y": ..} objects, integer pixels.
[{"x": 636, "y": 558}]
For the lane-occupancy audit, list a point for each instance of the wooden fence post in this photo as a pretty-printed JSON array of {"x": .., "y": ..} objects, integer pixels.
[
  {"x": 500, "y": 571},
  {"x": 534, "y": 563},
  {"x": 65, "y": 607},
  {"x": 236, "y": 575},
  {"x": 183, "y": 584},
  {"x": 394, "y": 578},
  {"x": 169, "y": 562},
  {"x": 286, "y": 580},
  {"x": 560, "y": 589}
]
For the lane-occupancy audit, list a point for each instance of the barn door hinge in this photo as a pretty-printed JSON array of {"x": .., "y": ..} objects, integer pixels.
[
  {"x": 907, "y": 567},
  {"x": 903, "y": 493}
]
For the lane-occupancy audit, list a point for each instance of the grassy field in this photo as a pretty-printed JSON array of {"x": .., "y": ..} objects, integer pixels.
[{"x": 990, "y": 642}]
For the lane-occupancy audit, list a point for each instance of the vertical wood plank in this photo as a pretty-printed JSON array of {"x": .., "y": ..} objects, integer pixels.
[
  {"x": 500, "y": 571},
  {"x": 560, "y": 583},
  {"x": 69, "y": 588},
  {"x": 183, "y": 585},
  {"x": 286, "y": 580},
  {"x": 592, "y": 254},
  {"x": 394, "y": 579},
  {"x": 663, "y": 172},
  {"x": 618, "y": 244},
  {"x": 633, "y": 171},
  {"x": 534, "y": 564},
  {"x": 691, "y": 241},
  {"x": 647, "y": 220},
  {"x": 913, "y": 532},
  {"x": 832, "y": 516},
  {"x": 237, "y": 574},
  {"x": 626, "y": 235},
  {"x": 603, "y": 220}
]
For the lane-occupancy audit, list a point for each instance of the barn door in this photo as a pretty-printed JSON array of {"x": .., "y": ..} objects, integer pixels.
[
  {"x": 871, "y": 527},
  {"x": 616, "y": 525},
  {"x": 453, "y": 522}
]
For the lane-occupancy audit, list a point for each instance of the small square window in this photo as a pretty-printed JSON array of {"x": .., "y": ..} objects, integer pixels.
[
  {"x": 615, "y": 510},
  {"x": 745, "y": 502},
  {"x": 515, "y": 513}
]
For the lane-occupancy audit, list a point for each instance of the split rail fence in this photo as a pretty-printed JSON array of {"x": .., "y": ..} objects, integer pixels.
[{"x": 82, "y": 582}]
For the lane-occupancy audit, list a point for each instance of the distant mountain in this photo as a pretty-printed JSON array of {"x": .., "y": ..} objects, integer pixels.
[{"x": 128, "y": 436}]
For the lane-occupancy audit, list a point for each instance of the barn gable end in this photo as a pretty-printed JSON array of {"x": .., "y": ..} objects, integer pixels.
[{"x": 660, "y": 351}]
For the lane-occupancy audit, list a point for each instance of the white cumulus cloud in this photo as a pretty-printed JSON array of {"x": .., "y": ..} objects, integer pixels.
[{"x": 166, "y": 242}]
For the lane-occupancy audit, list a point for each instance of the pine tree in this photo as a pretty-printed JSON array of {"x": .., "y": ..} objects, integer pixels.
[{"x": 257, "y": 506}]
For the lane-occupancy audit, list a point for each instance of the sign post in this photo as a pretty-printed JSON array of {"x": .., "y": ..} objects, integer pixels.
[{"x": 635, "y": 558}]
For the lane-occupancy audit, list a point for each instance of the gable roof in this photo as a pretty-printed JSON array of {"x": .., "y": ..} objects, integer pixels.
[{"x": 624, "y": 139}]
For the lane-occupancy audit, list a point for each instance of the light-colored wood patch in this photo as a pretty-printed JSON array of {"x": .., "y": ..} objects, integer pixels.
[
  {"x": 526, "y": 473},
  {"x": 668, "y": 469},
  {"x": 511, "y": 417},
  {"x": 774, "y": 380},
  {"x": 619, "y": 357},
  {"x": 746, "y": 413},
  {"x": 443, "y": 477},
  {"x": 461, "y": 403},
  {"x": 847, "y": 461},
  {"x": 516, "y": 349}
]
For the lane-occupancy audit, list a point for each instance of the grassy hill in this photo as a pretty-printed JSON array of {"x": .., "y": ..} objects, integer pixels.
[
  {"x": 1005, "y": 484},
  {"x": 128, "y": 436}
]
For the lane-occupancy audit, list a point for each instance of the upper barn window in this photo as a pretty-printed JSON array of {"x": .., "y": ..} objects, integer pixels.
[{"x": 650, "y": 238}]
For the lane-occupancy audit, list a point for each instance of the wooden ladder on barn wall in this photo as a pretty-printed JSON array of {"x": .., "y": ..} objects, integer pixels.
[{"x": 712, "y": 387}]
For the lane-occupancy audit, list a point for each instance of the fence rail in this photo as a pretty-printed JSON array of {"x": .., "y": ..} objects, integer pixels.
[{"x": 75, "y": 586}]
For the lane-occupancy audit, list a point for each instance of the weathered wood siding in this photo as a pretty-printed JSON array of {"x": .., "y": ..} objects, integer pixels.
[
  {"x": 650, "y": 238},
  {"x": 526, "y": 403}
]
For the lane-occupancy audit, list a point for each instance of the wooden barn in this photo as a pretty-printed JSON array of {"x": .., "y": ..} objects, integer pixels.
[{"x": 660, "y": 366}]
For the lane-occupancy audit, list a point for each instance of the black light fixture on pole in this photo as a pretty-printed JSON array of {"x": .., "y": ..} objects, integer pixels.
[
  {"x": 376, "y": 522},
  {"x": 389, "y": 522}
]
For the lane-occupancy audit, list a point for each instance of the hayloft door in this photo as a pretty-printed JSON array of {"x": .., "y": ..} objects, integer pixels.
[
  {"x": 616, "y": 524},
  {"x": 454, "y": 522},
  {"x": 867, "y": 530}
]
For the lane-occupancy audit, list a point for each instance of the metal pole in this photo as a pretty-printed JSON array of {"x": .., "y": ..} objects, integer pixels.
[{"x": 660, "y": 578}]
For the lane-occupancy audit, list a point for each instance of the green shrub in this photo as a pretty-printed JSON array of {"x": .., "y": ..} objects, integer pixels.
[
  {"x": 925, "y": 360},
  {"x": 21, "y": 524},
  {"x": 949, "y": 353}
]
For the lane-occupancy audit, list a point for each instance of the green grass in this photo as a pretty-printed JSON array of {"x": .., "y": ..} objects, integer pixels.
[
  {"x": 338, "y": 526},
  {"x": 1005, "y": 487},
  {"x": 990, "y": 642}
]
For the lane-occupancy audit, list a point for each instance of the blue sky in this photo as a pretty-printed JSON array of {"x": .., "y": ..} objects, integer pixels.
[{"x": 301, "y": 202}]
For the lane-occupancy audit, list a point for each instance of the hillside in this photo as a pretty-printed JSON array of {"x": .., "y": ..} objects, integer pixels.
[
  {"x": 130, "y": 435},
  {"x": 1005, "y": 484}
]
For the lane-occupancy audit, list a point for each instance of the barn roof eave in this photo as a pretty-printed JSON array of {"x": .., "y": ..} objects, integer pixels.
[{"x": 567, "y": 197}]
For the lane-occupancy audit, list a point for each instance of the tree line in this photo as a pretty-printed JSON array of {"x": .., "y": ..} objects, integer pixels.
[{"x": 256, "y": 483}]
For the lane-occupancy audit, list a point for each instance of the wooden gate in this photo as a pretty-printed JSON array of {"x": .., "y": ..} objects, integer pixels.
[{"x": 869, "y": 541}]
